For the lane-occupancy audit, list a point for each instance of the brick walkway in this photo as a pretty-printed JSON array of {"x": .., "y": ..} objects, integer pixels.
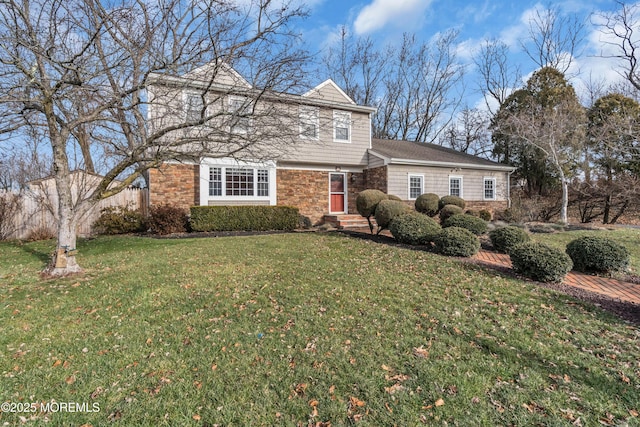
[{"x": 613, "y": 288}]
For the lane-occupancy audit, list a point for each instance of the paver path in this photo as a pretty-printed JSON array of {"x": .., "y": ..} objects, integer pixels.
[{"x": 602, "y": 285}]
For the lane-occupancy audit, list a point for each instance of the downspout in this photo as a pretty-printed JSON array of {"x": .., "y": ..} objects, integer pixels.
[{"x": 509, "y": 188}]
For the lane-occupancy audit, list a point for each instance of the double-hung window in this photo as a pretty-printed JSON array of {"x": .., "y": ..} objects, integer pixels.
[
  {"x": 489, "y": 190},
  {"x": 416, "y": 186},
  {"x": 240, "y": 110},
  {"x": 309, "y": 123},
  {"x": 194, "y": 104},
  {"x": 341, "y": 126},
  {"x": 455, "y": 186}
]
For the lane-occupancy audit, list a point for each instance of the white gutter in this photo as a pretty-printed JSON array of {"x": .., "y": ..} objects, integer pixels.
[{"x": 397, "y": 161}]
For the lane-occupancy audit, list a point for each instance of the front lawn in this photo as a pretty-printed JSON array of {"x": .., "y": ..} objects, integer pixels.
[{"x": 300, "y": 329}]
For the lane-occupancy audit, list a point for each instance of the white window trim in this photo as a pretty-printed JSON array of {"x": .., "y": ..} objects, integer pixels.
[
  {"x": 308, "y": 115},
  {"x": 185, "y": 101},
  {"x": 347, "y": 116},
  {"x": 461, "y": 184},
  {"x": 484, "y": 180},
  {"x": 227, "y": 162},
  {"x": 414, "y": 175},
  {"x": 245, "y": 106}
]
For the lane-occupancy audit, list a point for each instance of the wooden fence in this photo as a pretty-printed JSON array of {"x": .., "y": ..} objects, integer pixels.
[{"x": 37, "y": 212}]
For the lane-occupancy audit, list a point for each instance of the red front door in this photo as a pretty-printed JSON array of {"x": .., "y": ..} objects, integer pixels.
[{"x": 337, "y": 192}]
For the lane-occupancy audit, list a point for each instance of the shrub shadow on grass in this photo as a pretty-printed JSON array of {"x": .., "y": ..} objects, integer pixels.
[{"x": 40, "y": 255}]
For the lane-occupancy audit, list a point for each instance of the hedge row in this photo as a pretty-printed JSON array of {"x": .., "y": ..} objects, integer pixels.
[{"x": 244, "y": 218}]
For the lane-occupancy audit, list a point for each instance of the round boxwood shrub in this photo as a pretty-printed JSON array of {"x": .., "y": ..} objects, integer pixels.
[
  {"x": 394, "y": 197},
  {"x": 540, "y": 262},
  {"x": 505, "y": 238},
  {"x": 452, "y": 200},
  {"x": 367, "y": 201},
  {"x": 472, "y": 223},
  {"x": 598, "y": 254},
  {"x": 414, "y": 228},
  {"x": 456, "y": 241},
  {"x": 485, "y": 214},
  {"x": 388, "y": 210},
  {"x": 449, "y": 210},
  {"x": 428, "y": 204}
]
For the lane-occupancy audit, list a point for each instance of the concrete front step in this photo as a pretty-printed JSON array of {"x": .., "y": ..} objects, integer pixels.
[{"x": 347, "y": 221}]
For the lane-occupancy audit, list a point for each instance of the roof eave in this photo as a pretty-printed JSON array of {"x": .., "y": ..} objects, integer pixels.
[{"x": 415, "y": 162}]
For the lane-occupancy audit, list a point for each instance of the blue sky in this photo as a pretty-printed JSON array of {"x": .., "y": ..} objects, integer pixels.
[{"x": 386, "y": 20}]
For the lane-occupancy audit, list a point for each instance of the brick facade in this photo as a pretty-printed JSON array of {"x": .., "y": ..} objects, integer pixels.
[
  {"x": 491, "y": 206},
  {"x": 309, "y": 191},
  {"x": 376, "y": 178},
  {"x": 175, "y": 184}
]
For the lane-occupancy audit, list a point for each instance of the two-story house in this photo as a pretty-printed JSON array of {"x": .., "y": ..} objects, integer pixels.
[{"x": 329, "y": 158}]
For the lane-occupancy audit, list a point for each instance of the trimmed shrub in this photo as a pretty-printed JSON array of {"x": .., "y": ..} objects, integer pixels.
[
  {"x": 387, "y": 210},
  {"x": 428, "y": 204},
  {"x": 118, "y": 220},
  {"x": 598, "y": 254},
  {"x": 510, "y": 215},
  {"x": 472, "y": 213},
  {"x": 414, "y": 229},
  {"x": 472, "y": 223},
  {"x": 167, "y": 219},
  {"x": 452, "y": 200},
  {"x": 244, "y": 218},
  {"x": 367, "y": 201},
  {"x": 485, "y": 214},
  {"x": 456, "y": 241},
  {"x": 505, "y": 238},
  {"x": 394, "y": 197},
  {"x": 449, "y": 210},
  {"x": 540, "y": 262}
]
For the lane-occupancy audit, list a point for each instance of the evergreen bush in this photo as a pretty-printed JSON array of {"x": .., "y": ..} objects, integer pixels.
[
  {"x": 485, "y": 214},
  {"x": 449, "y": 210},
  {"x": 452, "y": 200},
  {"x": 244, "y": 218},
  {"x": 387, "y": 210},
  {"x": 367, "y": 200},
  {"x": 598, "y": 254},
  {"x": 505, "y": 238},
  {"x": 414, "y": 228},
  {"x": 428, "y": 204},
  {"x": 456, "y": 241},
  {"x": 474, "y": 224},
  {"x": 118, "y": 220},
  {"x": 540, "y": 262}
]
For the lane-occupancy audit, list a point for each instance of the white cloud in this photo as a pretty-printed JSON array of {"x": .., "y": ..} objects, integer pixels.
[{"x": 381, "y": 13}]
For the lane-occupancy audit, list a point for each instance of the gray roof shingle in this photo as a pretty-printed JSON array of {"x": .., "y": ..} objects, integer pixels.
[{"x": 422, "y": 152}]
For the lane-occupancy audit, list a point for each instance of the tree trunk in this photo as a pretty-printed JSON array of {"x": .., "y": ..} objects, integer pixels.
[
  {"x": 565, "y": 200},
  {"x": 64, "y": 258}
]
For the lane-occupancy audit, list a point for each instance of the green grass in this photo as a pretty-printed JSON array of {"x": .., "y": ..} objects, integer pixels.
[
  {"x": 628, "y": 237},
  {"x": 297, "y": 329}
]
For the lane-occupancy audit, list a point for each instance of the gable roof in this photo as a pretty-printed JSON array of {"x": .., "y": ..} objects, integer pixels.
[
  {"x": 424, "y": 154},
  {"x": 329, "y": 90}
]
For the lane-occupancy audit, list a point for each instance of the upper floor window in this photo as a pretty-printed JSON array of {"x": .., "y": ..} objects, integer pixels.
[
  {"x": 455, "y": 186},
  {"x": 309, "y": 122},
  {"x": 341, "y": 126},
  {"x": 489, "y": 189},
  {"x": 194, "y": 104},
  {"x": 416, "y": 185},
  {"x": 240, "y": 110}
]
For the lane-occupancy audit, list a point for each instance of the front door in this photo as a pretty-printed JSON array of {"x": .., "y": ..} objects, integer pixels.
[{"x": 337, "y": 193}]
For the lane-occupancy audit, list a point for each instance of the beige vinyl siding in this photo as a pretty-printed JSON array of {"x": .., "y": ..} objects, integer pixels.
[
  {"x": 375, "y": 161},
  {"x": 436, "y": 180},
  {"x": 329, "y": 93},
  {"x": 326, "y": 151}
]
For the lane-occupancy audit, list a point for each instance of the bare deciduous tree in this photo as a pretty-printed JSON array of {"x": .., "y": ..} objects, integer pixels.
[
  {"x": 498, "y": 77},
  {"x": 79, "y": 73},
  {"x": 553, "y": 38},
  {"x": 469, "y": 134}
]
